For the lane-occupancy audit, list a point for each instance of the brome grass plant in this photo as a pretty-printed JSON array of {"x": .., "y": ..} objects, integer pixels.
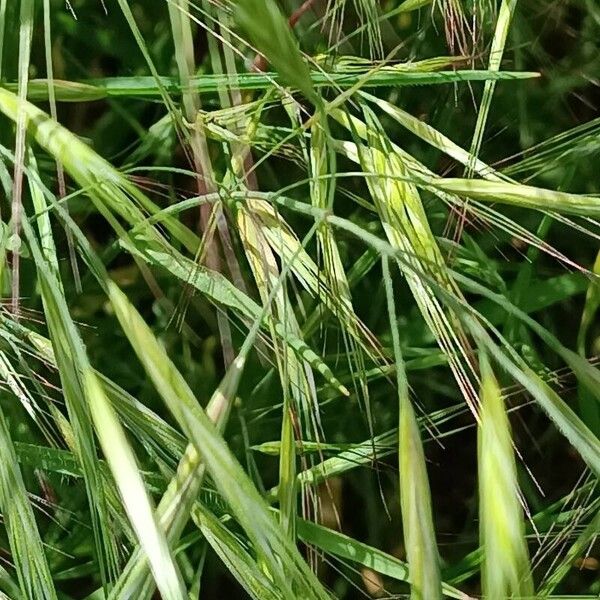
[{"x": 300, "y": 299}]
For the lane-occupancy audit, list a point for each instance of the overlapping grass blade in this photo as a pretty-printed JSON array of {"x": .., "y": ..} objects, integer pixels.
[
  {"x": 285, "y": 564},
  {"x": 68, "y": 351},
  {"x": 112, "y": 191},
  {"x": 570, "y": 425},
  {"x": 234, "y": 555},
  {"x": 299, "y": 399},
  {"x": 159, "y": 438},
  {"x": 313, "y": 244},
  {"x": 579, "y": 548},
  {"x": 494, "y": 188},
  {"x": 85, "y": 395},
  {"x": 345, "y": 547},
  {"x": 331, "y": 287},
  {"x": 407, "y": 228},
  {"x": 221, "y": 290},
  {"x": 505, "y": 14},
  {"x": 94, "y": 174},
  {"x": 434, "y": 137},
  {"x": 180, "y": 499},
  {"x": 590, "y": 409},
  {"x": 560, "y": 413},
  {"x": 26, "y": 13}
]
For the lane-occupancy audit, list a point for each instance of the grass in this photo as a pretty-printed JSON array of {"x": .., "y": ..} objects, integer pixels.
[{"x": 301, "y": 299}]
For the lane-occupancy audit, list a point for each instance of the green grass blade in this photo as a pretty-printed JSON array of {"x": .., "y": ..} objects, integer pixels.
[
  {"x": 506, "y": 569},
  {"x": 285, "y": 564},
  {"x": 133, "y": 492},
  {"x": 222, "y": 291},
  {"x": 79, "y": 378},
  {"x": 408, "y": 230},
  {"x": 568, "y": 423},
  {"x": 69, "y": 350},
  {"x": 112, "y": 190},
  {"x": 505, "y": 14},
  {"x": 433, "y": 137},
  {"x": 270, "y": 33},
  {"x": 338, "y": 544},
  {"x": 25, "y": 34},
  {"x": 179, "y": 502},
  {"x": 520, "y": 195},
  {"x": 26, "y": 545},
  {"x": 415, "y": 495},
  {"x": 238, "y": 561},
  {"x": 91, "y": 90},
  {"x": 580, "y": 547},
  {"x": 589, "y": 407}
]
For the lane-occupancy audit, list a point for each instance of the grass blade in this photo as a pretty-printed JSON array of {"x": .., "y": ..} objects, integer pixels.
[
  {"x": 415, "y": 496},
  {"x": 26, "y": 546},
  {"x": 285, "y": 564},
  {"x": 270, "y": 33},
  {"x": 506, "y": 569},
  {"x": 83, "y": 382},
  {"x": 25, "y": 34},
  {"x": 146, "y": 87},
  {"x": 231, "y": 552}
]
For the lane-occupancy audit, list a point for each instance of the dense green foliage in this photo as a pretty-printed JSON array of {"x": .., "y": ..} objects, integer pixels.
[{"x": 301, "y": 299}]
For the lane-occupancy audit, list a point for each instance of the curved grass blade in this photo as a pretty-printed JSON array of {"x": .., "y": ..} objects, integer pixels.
[
  {"x": 345, "y": 547},
  {"x": 517, "y": 194},
  {"x": 180, "y": 499},
  {"x": 110, "y": 189},
  {"x": 407, "y": 228},
  {"x": 567, "y": 422},
  {"x": 97, "y": 176},
  {"x": 137, "y": 503},
  {"x": 333, "y": 291},
  {"x": 221, "y": 290},
  {"x": 493, "y": 189}
]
